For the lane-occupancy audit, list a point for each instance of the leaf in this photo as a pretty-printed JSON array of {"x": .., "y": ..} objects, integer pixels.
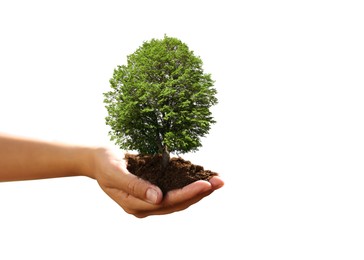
[{"x": 161, "y": 97}]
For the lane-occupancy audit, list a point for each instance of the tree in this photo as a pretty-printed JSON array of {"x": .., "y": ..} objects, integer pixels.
[{"x": 160, "y": 100}]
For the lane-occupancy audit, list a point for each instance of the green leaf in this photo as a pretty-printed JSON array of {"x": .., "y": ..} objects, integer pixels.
[{"x": 161, "y": 97}]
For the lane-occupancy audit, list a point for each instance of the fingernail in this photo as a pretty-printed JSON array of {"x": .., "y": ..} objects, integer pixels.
[{"x": 152, "y": 195}]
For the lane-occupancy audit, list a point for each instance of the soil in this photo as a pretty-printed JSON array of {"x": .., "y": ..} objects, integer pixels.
[{"x": 178, "y": 173}]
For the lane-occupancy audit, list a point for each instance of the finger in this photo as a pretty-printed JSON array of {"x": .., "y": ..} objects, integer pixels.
[
  {"x": 216, "y": 182},
  {"x": 141, "y": 189},
  {"x": 130, "y": 204},
  {"x": 175, "y": 200},
  {"x": 179, "y": 199},
  {"x": 123, "y": 180},
  {"x": 183, "y": 205},
  {"x": 186, "y": 193}
]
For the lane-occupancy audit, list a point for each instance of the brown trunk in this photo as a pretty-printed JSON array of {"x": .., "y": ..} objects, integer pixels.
[
  {"x": 165, "y": 157},
  {"x": 165, "y": 153}
]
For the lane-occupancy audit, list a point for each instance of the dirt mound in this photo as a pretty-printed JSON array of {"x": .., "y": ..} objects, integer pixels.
[{"x": 178, "y": 174}]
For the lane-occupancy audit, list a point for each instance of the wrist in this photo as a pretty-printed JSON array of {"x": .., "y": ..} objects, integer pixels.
[{"x": 86, "y": 161}]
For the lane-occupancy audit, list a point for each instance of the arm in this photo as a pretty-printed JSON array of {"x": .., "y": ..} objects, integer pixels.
[{"x": 25, "y": 159}]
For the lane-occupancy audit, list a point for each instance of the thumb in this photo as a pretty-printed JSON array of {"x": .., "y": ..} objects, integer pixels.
[{"x": 142, "y": 189}]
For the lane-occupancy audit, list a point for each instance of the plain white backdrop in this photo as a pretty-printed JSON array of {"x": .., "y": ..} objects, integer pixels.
[{"x": 288, "y": 139}]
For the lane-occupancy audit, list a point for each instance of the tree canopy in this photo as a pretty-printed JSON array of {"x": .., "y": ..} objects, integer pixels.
[{"x": 159, "y": 101}]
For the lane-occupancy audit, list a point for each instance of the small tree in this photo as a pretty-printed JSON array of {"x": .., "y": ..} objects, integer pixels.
[{"x": 160, "y": 100}]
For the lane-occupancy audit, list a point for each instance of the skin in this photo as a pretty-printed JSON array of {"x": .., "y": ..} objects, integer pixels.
[{"x": 28, "y": 159}]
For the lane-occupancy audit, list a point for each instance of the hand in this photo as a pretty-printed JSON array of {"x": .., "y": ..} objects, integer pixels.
[{"x": 139, "y": 197}]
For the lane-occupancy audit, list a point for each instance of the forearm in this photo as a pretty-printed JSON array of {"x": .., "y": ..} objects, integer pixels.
[{"x": 25, "y": 159}]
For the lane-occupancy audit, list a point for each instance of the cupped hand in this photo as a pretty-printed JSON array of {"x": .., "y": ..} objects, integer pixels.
[{"x": 139, "y": 197}]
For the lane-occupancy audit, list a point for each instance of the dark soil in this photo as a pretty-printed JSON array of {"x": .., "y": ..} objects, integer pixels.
[{"x": 178, "y": 174}]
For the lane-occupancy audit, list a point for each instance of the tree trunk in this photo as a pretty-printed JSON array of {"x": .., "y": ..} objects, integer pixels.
[{"x": 165, "y": 157}]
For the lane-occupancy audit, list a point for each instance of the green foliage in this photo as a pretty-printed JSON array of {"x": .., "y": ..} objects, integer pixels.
[{"x": 160, "y": 99}]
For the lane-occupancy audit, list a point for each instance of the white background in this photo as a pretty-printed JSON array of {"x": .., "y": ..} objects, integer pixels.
[{"x": 288, "y": 139}]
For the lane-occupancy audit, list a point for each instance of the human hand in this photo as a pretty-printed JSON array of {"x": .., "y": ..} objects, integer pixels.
[{"x": 139, "y": 197}]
